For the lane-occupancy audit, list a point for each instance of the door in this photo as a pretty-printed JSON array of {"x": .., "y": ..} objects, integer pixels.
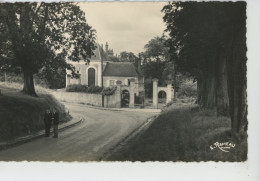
[{"x": 91, "y": 77}]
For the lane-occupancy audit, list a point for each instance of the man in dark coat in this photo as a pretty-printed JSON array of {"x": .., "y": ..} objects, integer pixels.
[
  {"x": 56, "y": 121},
  {"x": 47, "y": 122}
]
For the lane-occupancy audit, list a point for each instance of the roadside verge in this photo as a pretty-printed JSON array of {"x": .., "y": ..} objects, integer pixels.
[{"x": 135, "y": 133}]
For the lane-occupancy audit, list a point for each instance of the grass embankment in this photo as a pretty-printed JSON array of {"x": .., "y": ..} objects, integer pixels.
[
  {"x": 184, "y": 133},
  {"x": 21, "y": 114}
]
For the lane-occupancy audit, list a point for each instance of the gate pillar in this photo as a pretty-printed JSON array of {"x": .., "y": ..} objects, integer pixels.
[
  {"x": 67, "y": 80},
  {"x": 169, "y": 95},
  {"x": 132, "y": 93},
  {"x": 118, "y": 94},
  {"x": 155, "y": 92}
]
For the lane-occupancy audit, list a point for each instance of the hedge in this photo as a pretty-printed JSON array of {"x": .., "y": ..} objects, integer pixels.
[
  {"x": 109, "y": 91},
  {"x": 84, "y": 88}
]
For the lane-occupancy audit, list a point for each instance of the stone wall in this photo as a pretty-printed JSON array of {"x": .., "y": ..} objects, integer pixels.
[
  {"x": 112, "y": 101},
  {"x": 75, "y": 97}
]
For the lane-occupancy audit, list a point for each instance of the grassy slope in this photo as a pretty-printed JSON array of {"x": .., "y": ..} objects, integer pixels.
[
  {"x": 184, "y": 133},
  {"x": 21, "y": 114}
]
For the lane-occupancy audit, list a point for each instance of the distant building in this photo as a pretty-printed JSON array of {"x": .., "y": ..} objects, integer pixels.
[
  {"x": 91, "y": 74},
  {"x": 109, "y": 52}
]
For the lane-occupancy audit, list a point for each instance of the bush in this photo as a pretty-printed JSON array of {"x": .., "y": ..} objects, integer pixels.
[
  {"x": 21, "y": 114},
  {"x": 109, "y": 91},
  {"x": 77, "y": 88},
  {"x": 188, "y": 88},
  {"x": 83, "y": 88},
  {"x": 18, "y": 78},
  {"x": 94, "y": 89}
]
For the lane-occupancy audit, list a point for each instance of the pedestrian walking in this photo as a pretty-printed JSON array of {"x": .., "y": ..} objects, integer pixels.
[
  {"x": 55, "y": 123},
  {"x": 47, "y": 122}
]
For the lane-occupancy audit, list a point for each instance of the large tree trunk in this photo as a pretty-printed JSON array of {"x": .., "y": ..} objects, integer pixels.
[
  {"x": 206, "y": 91},
  {"x": 236, "y": 68},
  {"x": 28, "y": 87},
  {"x": 208, "y": 99},
  {"x": 222, "y": 101},
  {"x": 237, "y": 90}
]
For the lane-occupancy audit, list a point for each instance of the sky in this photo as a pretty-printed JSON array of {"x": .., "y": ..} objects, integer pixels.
[{"x": 126, "y": 26}]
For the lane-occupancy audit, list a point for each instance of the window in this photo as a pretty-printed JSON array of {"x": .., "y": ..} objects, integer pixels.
[{"x": 111, "y": 82}]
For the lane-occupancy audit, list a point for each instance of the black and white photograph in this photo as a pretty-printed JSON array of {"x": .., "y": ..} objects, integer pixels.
[{"x": 124, "y": 81}]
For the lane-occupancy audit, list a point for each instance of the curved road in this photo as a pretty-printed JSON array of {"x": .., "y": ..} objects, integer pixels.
[{"x": 88, "y": 141}]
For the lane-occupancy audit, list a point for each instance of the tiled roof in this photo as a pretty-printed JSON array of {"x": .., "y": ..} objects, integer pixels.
[{"x": 120, "y": 69}]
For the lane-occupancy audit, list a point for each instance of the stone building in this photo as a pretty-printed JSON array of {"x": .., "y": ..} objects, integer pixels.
[{"x": 91, "y": 73}]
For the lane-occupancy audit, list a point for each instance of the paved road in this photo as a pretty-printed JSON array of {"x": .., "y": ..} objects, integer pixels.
[{"x": 88, "y": 141}]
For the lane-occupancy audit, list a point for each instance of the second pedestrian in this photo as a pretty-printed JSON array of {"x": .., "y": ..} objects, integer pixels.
[
  {"x": 47, "y": 122},
  {"x": 55, "y": 123}
]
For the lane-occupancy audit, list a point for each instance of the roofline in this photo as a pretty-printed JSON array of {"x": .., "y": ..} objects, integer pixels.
[{"x": 119, "y": 76}]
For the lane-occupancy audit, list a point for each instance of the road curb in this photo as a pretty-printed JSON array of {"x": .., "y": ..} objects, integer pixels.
[
  {"x": 37, "y": 135},
  {"x": 117, "y": 109}
]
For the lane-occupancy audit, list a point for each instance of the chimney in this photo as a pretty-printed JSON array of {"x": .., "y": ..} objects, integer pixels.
[{"x": 106, "y": 47}]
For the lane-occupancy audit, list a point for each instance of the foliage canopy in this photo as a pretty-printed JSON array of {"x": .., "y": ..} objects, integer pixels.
[{"x": 41, "y": 36}]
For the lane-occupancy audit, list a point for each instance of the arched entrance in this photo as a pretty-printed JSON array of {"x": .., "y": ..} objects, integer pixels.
[
  {"x": 91, "y": 76},
  {"x": 162, "y": 97},
  {"x": 168, "y": 92},
  {"x": 125, "y": 96}
]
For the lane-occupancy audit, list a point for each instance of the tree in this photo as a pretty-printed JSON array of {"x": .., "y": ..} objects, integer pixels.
[
  {"x": 155, "y": 60},
  {"x": 209, "y": 39},
  {"x": 154, "y": 70},
  {"x": 156, "y": 49},
  {"x": 111, "y": 58},
  {"x": 35, "y": 36},
  {"x": 236, "y": 66},
  {"x": 169, "y": 74},
  {"x": 127, "y": 57},
  {"x": 55, "y": 77}
]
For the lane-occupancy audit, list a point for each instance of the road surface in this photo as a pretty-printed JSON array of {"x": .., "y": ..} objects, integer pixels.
[{"x": 88, "y": 141}]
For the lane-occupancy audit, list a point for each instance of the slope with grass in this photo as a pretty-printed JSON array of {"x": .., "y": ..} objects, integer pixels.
[
  {"x": 21, "y": 114},
  {"x": 183, "y": 132}
]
